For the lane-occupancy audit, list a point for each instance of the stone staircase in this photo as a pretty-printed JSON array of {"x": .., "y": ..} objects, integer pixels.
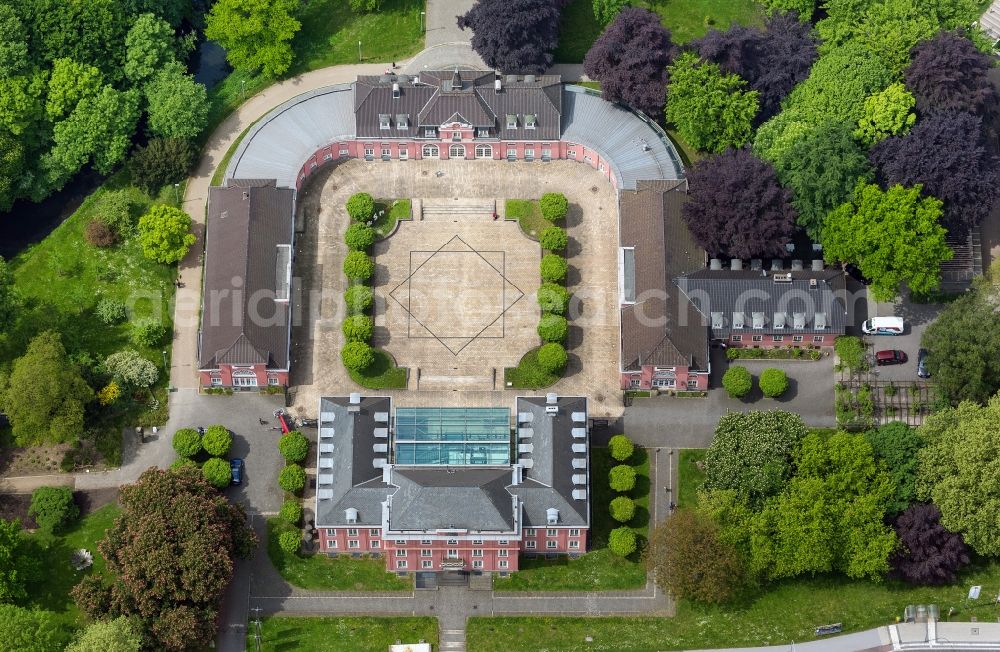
[
  {"x": 446, "y": 380},
  {"x": 452, "y": 640},
  {"x": 447, "y": 210}
]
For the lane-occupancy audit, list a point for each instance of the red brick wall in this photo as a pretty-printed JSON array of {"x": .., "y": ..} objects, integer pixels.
[
  {"x": 225, "y": 373},
  {"x": 767, "y": 340},
  {"x": 682, "y": 375}
]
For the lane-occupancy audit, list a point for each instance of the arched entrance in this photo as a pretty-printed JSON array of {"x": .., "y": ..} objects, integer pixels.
[
  {"x": 456, "y": 151},
  {"x": 430, "y": 151},
  {"x": 484, "y": 151}
]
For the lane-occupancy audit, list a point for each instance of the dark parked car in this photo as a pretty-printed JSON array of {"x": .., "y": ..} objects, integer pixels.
[
  {"x": 236, "y": 467},
  {"x": 922, "y": 371},
  {"x": 890, "y": 356}
]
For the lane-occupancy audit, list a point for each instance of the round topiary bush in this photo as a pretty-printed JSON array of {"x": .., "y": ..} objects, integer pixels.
[
  {"x": 53, "y": 508},
  {"x": 290, "y": 541},
  {"x": 737, "y": 381},
  {"x": 217, "y": 472},
  {"x": 553, "y": 268},
  {"x": 553, "y": 328},
  {"x": 291, "y": 512},
  {"x": 217, "y": 440},
  {"x": 358, "y": 328},
  {"x": 554, "y": 206},
  {"x": 183, "y": 462},
  {"x": 147, "y": 332},
  {"x": 359, "y": 237},
  {"x": 358, "y": 298},
  {"x": 622, "y": 509},
  {"x": 187, "y": 442},
  {"x": 622, "y": 478},
  {"x": 110, "y": 311},
  {"x": 553, "y": 298},
  {"x": 622, "y": 541},
  {"x": 357, "y": 356},
  {"x": 621, "y": 447},
  {"x": 773, "y": 382},
  {"x": 292, "y": 478},
  {"x": 361, "y": 207},
  {"x": 358, "y": 266},
  {"x": 293, "y": 446},
  {"x": 553, "y": 238},
  {"x": 552, "y": 357}
]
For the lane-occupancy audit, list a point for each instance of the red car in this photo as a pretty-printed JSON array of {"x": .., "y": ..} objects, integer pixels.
[{"x": 890, "y": 356}]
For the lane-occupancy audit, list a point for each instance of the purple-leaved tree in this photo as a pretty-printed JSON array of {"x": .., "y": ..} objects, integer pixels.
[
  {"x": 928, "y": 553},
  {"x": 948, "y": 73},
  {"x": 514, "y": 36}
]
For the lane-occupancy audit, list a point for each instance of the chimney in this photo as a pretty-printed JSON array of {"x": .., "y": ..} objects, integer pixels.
[
  {"x": 817, "y": 265},
  {"x": 736, "y": 264},
  {"x": 715, "y": 264}
]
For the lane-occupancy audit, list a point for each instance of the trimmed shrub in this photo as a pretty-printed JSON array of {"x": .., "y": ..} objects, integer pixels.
[
  {"x": 552, "y": 357},
  {"x": 553, "y": 328},
  {"x": 773, "y": 382},
  {"x": 99, "y": 234},
  {"x": 291, "y": 512},
  {"x": 110, "y": 311},
  {"x": 851, "y": 351},
  {"x": 622, "y": 509},
  {"x": 553, "y": 238},
  {"x": 217, "y": 472},
  {"x": 357, "y": 356},
  {"x": 358, "y": 266},
  {"x": 53, "y": 508},
  {"x": 147, "y": 332},
  {"x": 182, "y": 463},
  {"x": 292, "y": 478},
  {"x": 359, "y": 237},
  {"x": 293, "y": 446},
  {"x": 187, "y": 442},
  {"x": 358, "y": 328},
  {"x": 290, "y": 542},
  {"x": 553, "y": 268},
  {"x": 622, "y": 478},
  {"x": 361, "y": 207},
  {"x": 621, "y": 447},
  {"x": 737, "y": 381},
  {"x": 554, "y": 206},
  {"x": 553, "y": 298},
  {"x": 622, "y": 541},
  {"x": 217, "y": 440},
  {"x": 358, "y": 298}
]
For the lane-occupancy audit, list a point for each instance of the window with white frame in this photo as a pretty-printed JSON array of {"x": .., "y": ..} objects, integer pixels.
[
  {"x": 344, "y": 151},
  {"x": 483, "y": 132},
  {"x": 478, "y": 563},
  {"x": 327, "y": 156},
  {"x": 452, "y": 553},
  {"x": 570, "y": 153},
  {"x": 737, "y": 338},
  {"x": 550, "y": 544},
  {"x": 529, "y": 152},
  {"x": 244, "y": 379},
  {"x": 330, "y": 532},
  {"x": 430, "y": 151},
  {"x": 426, "y": 563},
  {"x": 401, "y": 563},
  {"x": 600, "y": 167},
  {"x": 529, "y": 532},
  {"x": 529, "y": 121},
  {"x": 426, "y": 553},
  {"x": 511, "y": 153},
  {"x": 452, "y": 542},
  {"x": 635, "y": 381},
  {"x": 384, "y": 122},
  {"x": 386, "y": 152},
  {"x": 663, "y": 382},
  {"x": 817, "y": 338},
  {"x": 402, "y": 121},
  {"x": 574, "y": 545},
  {"x": 369, "y": 152},
  {"x": 272, "y": 380},
  {"x": 501, "y": 553},
  {"x": 352, "y": 532},
  {"x": 527, "y": 544},
  {"x": 400, "y": 542},
  {"x": 425, "y": 542},
  {"x": 796, "y": 338},
  {"x": 216, "y": 381},
  {"x": 574, "y": 532},
  {"x": 503, "y": 563},
  {"x": 430, "y": 132},
  {"x": 401, "y": 553},
  {"x": 551, "y": 532},
  {"x": 477, "y": 552},
  {"x": 332, "y": 543},
  {"x": 758, "y": 338},
  {"x": 587, "y": 159},
  {"x": 403, "y": 154},
  {"x": 777, "y": 338},
  {"x": 502, "y": 542},
  {"x": 511, "y": 121},
  {"x": 374, "y": 532},
  {"x": 477, "y": 542},
  {"x": 353, "y": 543},
  {"x": 375, "y": 543}
]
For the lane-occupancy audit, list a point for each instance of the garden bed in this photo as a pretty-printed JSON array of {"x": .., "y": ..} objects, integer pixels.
[
  {"x": 528, "y": 216},
  {"x": 381, "y": 374},
  {"x": 345, "y": 634},
  {"x": 528, "y": 374},
  {"x": 388, "y": 212},
  {"x": 773, "y": 354}
]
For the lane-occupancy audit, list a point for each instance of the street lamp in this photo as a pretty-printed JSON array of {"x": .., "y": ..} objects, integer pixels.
[
  {"x": 359, "y": 50},
  {"x": 422, "y": 20},
  {"x": 165, "y": 361},
  {"x": 177, "y": 193}
]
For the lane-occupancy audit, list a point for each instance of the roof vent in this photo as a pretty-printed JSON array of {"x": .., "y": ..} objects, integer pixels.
[
  {"x": 790, "y": 247},
  {"x": 551, "y": 398},
  {"x": 796, "y": 265},
  {"x": 736, "y": 264},
  {"x": 351, "y": 515},
  {"x": 395, "y": 91},
  {"x": 813, "y": 284},
  {"x": 777, "y": 265},
  {"x": 782, "y": 278},
  {"x": 715, "y": 264},
  {"x": 511, "y": 79},
  {"x": 817, "y": 265},
  {"x": 551, "y": 410},
  {"x": 552, "y": 516}
]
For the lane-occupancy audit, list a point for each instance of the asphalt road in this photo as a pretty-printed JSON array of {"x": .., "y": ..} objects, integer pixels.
[{"x": 916, "y": 317}]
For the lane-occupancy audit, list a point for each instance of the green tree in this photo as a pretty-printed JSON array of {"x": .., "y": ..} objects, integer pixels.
[
  {"x": 165, "y": 234},
  {"x": 358, "y": 328},
  {"x": 119, "y": 635},
  {"x": 622, "y": 509},
  {"x": 45, "y": 395},
  {"x": 363, "y": 6},
  {"x": 553, "y": 268},
  {"x": 360, "y": 206},
  {"x": 621, "y": 478},
  {"x": 357, "y": 356},
  {"x": 291, "y": 512},
  {"x": 773, "y": 382},
  {"x": 359, "y": 237},
  {"x": 131, "y": 368},
  {"x": 13, "y": 576},
  {"x": 622, "y": 541},
  {"x": 187, "y": 442},
  {"x": 553, "y": 328},
  {"x": 8, "y": 296},
  {"x": 621, "y": 448},
  {"x": 22, "y": 104},
  {"x": 711, "y": 109},
  {"x": 290, "y": 541},
  {"x": 553, "y": 238},
  {"x": 256, "y": 34},
  {"x": 892, "y": 236},
  {"x": 115, "y": 210},
  {"x": 737, "y": 381},
  {"x": 99, "y": 129},
  {"x": 887, "y": 113},
  {"x": 147, "y": 332},
  {"x": 606, "y": 10},
  {"x": 554, "y": 206},
  {"x": 358, "y": 266},
  {"x": 805, "y": 8},
  {"x": 53, "y": 508},
  {"x": 898, "y": 445},
  {"x": 292, "y": 478},
  {"x": 14, "y": 57},
  {"x": 91, "y": 32},
  {"x": 293, "y": 446},
  {"x": 216, "y": 471},
  {"x": 161, "y": 161},
  {"x": 553, "y": 298},
  {"x": 69, "y": 83},
  {"x": 957, "y": 471},
  {"x": 552, "y": 357},
  {"x": 177, "y": 105},
  {"x": 358, "y": 298},
  {"x": 30, "y": 629},
  {"x": 751, "y": 453},
  {"x": 149, "y": 47},
  {"x": 217, "y": 440}
]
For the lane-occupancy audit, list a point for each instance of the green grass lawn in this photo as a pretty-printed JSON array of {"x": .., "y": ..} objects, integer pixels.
[
  {"x": 367, "y": 634},
  {"x": 689, "y": 476},
  {"x": 528, "y": 374},
  {"x": 528, "y": 216},
  {"x": 382, "y": 374},
  {"x": 51, "y": 590},
  {"x": 599, "y": 569},
  {"x": 395, "y": 210},
  {"x": 686, "y": 20},
  {"x": 321, "y": 573}
]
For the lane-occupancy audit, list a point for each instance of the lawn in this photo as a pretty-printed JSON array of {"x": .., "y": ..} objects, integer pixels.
[
  {"x": 51, "y": 591},
  {"x": 528, "y": 374},
  {"x": 528, "y": 216},
  {"x": 321, "y": 573},
  {"x": 393, "y": 212},
  {"x": 686, "y": 20},
  {"x": 599, "y": 569},
  {"x": 341, "y": 634},
  {"x": 382, "y": 374},
  {"x": 689, "y": 476},
  {"x": 788, "y": 611}
]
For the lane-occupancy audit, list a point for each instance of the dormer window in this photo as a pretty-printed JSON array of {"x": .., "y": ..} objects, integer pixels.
[
  {"x": 511, "y": 121},
  {"x": 402, "y": 121},
  {"x": 529, "y": 121},
  {"x": 483, "y": 132},
  {"x": 430, "y": 132},
  {"x": 351, "y": 515},
  {"x": 384, "y": 121}
]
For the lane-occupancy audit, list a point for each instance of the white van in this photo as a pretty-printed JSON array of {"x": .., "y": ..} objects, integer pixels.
[{"x": 883, "y": 326}]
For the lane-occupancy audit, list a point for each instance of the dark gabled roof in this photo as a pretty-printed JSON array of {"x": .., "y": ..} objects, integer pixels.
[
  {"x": 437, "y": 97},
  {"x": 464, "y": 498},
  {"x": 662, "y": 327},
  {"x": 241, "y": 321},
  {"x": 748, "y": 291}
]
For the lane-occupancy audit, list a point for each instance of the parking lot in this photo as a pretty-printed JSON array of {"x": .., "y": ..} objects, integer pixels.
[{"x": 916, "y": 317}]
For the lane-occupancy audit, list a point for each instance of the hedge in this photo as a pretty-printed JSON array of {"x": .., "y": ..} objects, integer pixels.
[
  {"x": 357, "y": 356},
  {"x": 358, "y": 328},
  {"x": 290, "y": 541},
  {"x": 359, "y": 237},
  {"x": 358, "y": 298},
  {"x": 291, "y": 512},
  {"x": 358, "y": 266},
  {"x": 553, "y": 298}
]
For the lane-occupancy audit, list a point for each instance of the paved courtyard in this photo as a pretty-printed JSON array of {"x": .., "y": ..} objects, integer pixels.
[{"x": 319, "y": 282}]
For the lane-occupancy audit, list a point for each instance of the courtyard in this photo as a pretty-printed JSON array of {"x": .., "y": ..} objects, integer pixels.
[{"x": 455, "y": 290}]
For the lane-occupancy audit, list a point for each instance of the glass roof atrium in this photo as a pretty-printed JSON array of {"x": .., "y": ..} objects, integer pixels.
[{"x": 452, "y": 436}]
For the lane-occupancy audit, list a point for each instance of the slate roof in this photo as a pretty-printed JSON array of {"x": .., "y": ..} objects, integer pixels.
[
  {"x": 445, "y": 498},
  {"x": 725, "y": 292},
  {"x": 433, "y": 98},
  {"x": 662, "y": 327},
  {"x": 243, "y": 269}
]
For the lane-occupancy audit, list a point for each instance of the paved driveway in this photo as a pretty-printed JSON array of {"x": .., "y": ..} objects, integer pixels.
[{"x": 917, "y": 318}]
